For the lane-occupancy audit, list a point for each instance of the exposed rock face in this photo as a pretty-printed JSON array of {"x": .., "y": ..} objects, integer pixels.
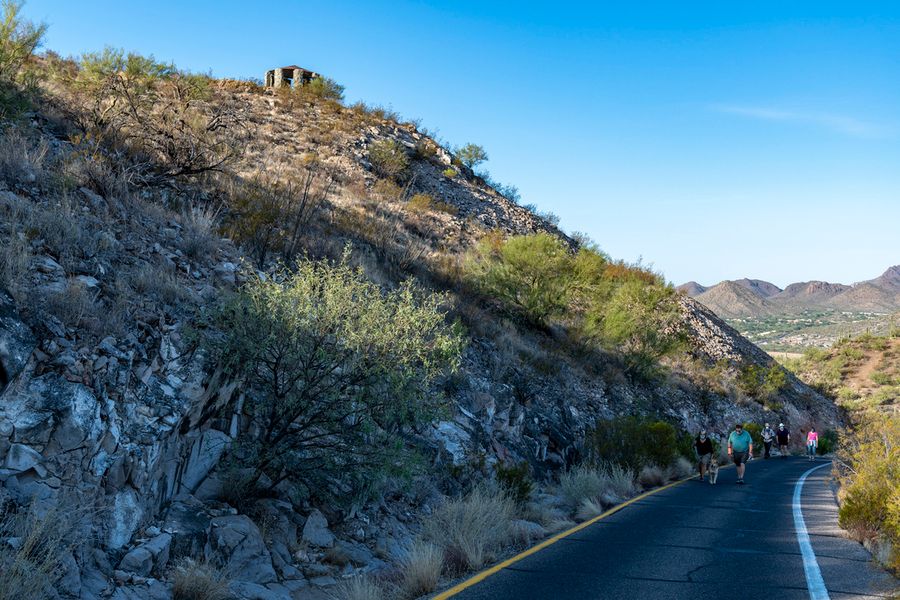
[{"x": 235, "y": 543}]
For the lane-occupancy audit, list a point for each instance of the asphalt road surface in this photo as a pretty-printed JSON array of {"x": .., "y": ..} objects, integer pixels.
[{"x": 700, "y": 541}]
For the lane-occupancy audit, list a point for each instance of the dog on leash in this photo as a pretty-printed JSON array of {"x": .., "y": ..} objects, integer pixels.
[{"x": 713, "y": 470}]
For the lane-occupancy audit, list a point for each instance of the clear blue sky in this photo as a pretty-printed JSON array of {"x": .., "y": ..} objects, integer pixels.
[{"x": 713, "y": 140}]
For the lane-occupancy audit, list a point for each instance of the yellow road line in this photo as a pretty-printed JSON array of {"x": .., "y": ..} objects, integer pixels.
[{"x": 549, "y": 541}]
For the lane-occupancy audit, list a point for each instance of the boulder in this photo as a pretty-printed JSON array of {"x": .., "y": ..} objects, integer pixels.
[
  {"x": 138, "y": 560},
  {"x": 235, "y": 543},
  {"x": 316, "y": 532},
  {"x": 20, "y": 458},
  {"x": 205, "y": 454}
]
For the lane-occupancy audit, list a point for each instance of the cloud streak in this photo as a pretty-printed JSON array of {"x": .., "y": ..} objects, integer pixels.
[{"x": 842, "y": 124}]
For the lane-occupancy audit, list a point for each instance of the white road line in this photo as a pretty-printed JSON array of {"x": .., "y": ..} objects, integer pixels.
[{"x": 814, "y": 581}]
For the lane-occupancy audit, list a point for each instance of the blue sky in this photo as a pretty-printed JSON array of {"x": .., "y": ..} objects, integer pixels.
[{"x": 711, "y": 140}]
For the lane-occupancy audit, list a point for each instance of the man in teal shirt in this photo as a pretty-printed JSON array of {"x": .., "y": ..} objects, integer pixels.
[{"x": 740, "y": 448}]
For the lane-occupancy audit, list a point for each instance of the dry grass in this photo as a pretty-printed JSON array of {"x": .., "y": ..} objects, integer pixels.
[
  {"x": 159, "y": 282},
  {"x": 74, "y": 306},
  {"x": 587, "y": 489},
  {"x": 15, "y": 258},
  {"x": 471, "y": 530},
  {"x": 680, "y": 469},
  {"x": 652, "y": 476},
  {"x": 32, "y": 552},
  {"x": 421, "y": 569},
  {"x": 21, "y": 159},
  {"x": 192, "y": 580},
  {"x": 199, "y": 239},
  {"x": 357, "y": 588}
]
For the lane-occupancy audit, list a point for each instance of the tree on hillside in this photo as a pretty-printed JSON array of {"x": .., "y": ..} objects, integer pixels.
[
  {"x": 471, "y": 155},
  {"x": 334, "y": 369},
  {"x": 18, "y": 41},
  {"x": 530, "y": 273}
]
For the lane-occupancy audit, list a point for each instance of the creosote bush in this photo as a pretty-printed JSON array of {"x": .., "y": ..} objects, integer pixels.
[{"x": 335, "y": 370}]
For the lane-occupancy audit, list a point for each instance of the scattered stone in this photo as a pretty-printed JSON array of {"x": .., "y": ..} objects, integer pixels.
[{"x": 316, "y": 531}]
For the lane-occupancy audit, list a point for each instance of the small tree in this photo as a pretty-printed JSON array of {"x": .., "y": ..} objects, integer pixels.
[
  {"x": 641, "y": 320},
  {"x": 325, "y": 88},
  {"x": 334, "y": 368},
  {"x": 531, "y": 274},
  {"x": 18, "y": 41},
  {"x": 471, "y": 155}
]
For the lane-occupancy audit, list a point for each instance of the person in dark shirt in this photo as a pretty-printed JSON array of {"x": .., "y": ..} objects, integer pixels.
[
  {"x": 704, "y": 448},
  {"x": 783, "y": 435}
]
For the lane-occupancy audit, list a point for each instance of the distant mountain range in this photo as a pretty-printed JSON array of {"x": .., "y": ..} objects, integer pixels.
[{"x": 740, "y": 298}]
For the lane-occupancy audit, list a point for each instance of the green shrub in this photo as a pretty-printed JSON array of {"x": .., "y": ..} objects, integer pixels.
[
  {"x": 530, "y": 274},
  {"x": 633, "y": 442},
  {"x": 880, "y": 378},
  {"x": 515, "y": 481},
  {"x": 760, "y": 382},
  {"x": 335, "y": 370},
  {"x": 828, "y": 441},
  {"x": 449, "y": 172},
  {"x": 755, "y": 431},
  {"x": 324, "y": 87},
  {"x": 389, "y": 159},
  {"x": 18, "y": 41},
  {"x": 869, "y": 471}
]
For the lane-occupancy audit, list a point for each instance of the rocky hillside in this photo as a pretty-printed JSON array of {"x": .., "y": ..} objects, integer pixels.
[{"x": 121, "y": 229}]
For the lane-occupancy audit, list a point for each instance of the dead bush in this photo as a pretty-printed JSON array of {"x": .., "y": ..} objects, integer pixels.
[
  {"x": 192, "y": 580},
  {"x": 198, "y": 238},
  {"x": 34, "y": 545},
  {"x": 22, "y": 158}
]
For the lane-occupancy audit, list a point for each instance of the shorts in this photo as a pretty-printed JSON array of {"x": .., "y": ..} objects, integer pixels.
[
  {"x": 704, "y": 460},
  {"x": 739, "y": 458}
]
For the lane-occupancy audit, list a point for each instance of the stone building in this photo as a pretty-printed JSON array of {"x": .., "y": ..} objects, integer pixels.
[{"x": 291, "y": 76}]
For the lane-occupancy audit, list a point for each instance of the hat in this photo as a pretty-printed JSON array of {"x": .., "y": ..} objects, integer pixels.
[{"x": 781, "y": 424}]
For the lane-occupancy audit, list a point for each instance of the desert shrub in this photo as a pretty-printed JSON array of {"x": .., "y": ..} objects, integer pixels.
[
  {"x": 633, "y": 442},
  {"x": 828, "y": 441},
  {"x": 389, "y": 159},
  {"x": 471, "y": 155},
  {"x": 336, "y": 369},
  {"x": 605, "y": 484},
  {"x": 421, "y": 569},
  {"x": 158, "y": 281},
  {"x": 530, "y": 274},
  {"x": 680, "y": 469},
  {"x": 162, "y": 116},
  {"x": 880, "y": 378},
  {"x": 425, "y": 203},
  {"x": 651, "y": 476},
  {"x": 32, "y": 566},
  {"x": 192, "y": 580},
  {"x": 755, "y": 431},
  {"x": 760, "y": 382},
  {"x": 325, "y": 88},
  {"x": 515, "y": 480},
  {"x": 642, "y": 321},
  {"x": 357, "y": 588},
  {"x": 449, "y": 172},
  {"x": 869, "y": 472},
  {"x": 472, "y": 529},
  {"x": 19, "y": 39}
]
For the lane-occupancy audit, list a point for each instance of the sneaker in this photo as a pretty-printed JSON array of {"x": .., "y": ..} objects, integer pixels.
[{"x": 740, "y": 482}]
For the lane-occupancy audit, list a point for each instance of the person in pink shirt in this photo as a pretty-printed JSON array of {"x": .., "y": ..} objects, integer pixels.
[{"x": 812, "y": 442}]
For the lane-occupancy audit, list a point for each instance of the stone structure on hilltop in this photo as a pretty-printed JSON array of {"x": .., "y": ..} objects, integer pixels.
[{"x": 291, "y": 76}]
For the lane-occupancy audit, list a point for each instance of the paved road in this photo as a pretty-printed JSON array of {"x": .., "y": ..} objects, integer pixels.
[{"x": 700, "y": 541}]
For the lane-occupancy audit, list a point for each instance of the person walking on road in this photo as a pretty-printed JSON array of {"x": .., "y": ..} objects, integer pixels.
[
  {"x": 783, "y": 435},
  {"x": 740, "y": 448},
  {"x": 704, "y": 449},
  {"x": 768, "y": 435},
  {"x": 812, "y": 443}
]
